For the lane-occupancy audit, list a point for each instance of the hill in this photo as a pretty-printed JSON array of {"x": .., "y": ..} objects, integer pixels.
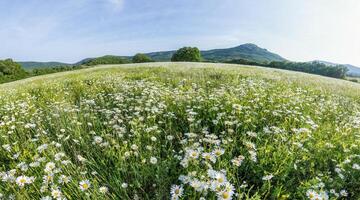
[
  {"x": 28, "y": 65},
  {"x": 249, "y": 52},
  {"x": 353, "y": 70},
  {"x": 180, "y": 131},
  {"x": 108, "y": 59},
  {"x": 246, "y": 52}
]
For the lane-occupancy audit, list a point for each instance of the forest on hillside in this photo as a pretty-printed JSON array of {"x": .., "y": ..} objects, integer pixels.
[{"x": 11, "y": 70}]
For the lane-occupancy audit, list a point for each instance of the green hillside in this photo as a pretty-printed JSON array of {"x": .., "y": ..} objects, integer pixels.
[
  {"x": 36, "y": 65},
  {"x": 109, "y": 59},
  {"x": 180, "y": 131},
  {"x": 249, "y": 52}
]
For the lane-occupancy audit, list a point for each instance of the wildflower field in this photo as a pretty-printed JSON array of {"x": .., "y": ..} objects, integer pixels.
[{"x": 180, "y": 131}]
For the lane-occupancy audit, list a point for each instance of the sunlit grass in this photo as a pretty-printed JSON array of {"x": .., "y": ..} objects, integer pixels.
[{"x": 181, "y": 131}]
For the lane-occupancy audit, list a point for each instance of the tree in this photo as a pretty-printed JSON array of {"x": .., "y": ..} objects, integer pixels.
[
  {"x": 10, "y": 71},
  {"x": 189, "y": 54},
  {"x": 141, "y": 58},
  {"x": 338, "y": 71},
  {"x": 104, "y": 60}
]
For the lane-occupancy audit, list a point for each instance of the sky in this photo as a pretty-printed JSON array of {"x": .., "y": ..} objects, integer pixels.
[{"x": 70, "y": 30}]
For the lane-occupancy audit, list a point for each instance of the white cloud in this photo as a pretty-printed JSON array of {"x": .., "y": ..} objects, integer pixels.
[{"x": 117, "y": 4}]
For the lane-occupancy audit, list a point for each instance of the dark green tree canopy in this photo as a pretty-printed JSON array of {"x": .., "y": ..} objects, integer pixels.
[
  {"x": 189, "y": 54},
  {"x": 106, "y": 60},
  {"x": 10, "y": 71},
  {"x": 141, "y": 58},
  {"x": 9, "y": 67},
  {"x": 338, "y": 71}
]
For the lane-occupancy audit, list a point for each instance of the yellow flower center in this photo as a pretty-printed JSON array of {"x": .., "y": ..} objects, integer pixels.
[
  {"x": 226, "y": 195},
  {"x": 220, "y": 180}
]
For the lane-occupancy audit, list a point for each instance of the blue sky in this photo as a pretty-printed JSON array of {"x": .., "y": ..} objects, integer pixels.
[{"x": 70, "y": 30}]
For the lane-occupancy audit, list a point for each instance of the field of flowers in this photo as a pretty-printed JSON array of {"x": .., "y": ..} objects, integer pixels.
[{"x": 179, "y": 133}]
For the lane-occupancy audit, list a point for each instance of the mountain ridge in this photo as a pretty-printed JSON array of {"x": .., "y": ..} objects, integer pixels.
[{"x": 247, "y": 51}]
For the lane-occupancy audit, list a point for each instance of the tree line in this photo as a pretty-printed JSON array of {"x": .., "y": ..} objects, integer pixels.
[
  {"x": 337, "y": 71},
  {"x": 10, "y": 70}
]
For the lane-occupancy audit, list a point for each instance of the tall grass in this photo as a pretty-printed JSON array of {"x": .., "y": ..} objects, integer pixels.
[{"x": 179, "y": 133}]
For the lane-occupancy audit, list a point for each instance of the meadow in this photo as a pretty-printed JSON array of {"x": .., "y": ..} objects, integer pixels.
[{"x": 180, "y": 131}]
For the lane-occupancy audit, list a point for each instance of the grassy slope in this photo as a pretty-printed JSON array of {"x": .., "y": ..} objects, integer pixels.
[
  {"x": 336, "y": 86},
  {"x": 301, "y": 127}
]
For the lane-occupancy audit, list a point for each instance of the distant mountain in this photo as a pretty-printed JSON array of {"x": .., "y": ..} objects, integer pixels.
[
  {"x": 83, "y": 61},
  {"x": 161, "y": 55},
  {"x": 250, "y": 52},
  {"x": 32, "y": 65},
  {"x": 108, "y": 59},
  {"x": 353, "y": 70}
]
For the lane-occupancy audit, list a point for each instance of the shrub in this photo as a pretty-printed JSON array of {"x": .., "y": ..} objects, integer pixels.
[
  {"x": 354, "y": 80},
  {"x": 141, "y": 58},
  {"x": 190, "y": 54},
  {"x": 107, "y": 60}
]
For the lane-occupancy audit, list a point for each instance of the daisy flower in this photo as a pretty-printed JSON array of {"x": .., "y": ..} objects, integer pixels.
[
  {"x": 56, "y": 193},
  {"x": 176, "y": 191},
  {"x": 153, "y": 160},
  {"x": 21, "y": 181},
  {"x": 49, "y": 167},
  {"x": 219, "y": 152},
  {"x": 267, "y": 177},
  {"x": 84, "y": 185},
  {"x": 103, "y": 189}
]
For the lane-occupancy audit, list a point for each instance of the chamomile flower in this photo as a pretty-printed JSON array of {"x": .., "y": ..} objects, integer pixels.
[
  {"x": 46, "y": 198},
  {"x": 238, "y": 161},
  {"x": 98, "y": 140},
  {"x": 224, "y": 195},
  {"x": 311, "y": 194},
  {"x": 124, "y": 185},
  {"x": 194, "y": 154},
  {"x": 48, "y": 178},
  {"x": 56, "y": 193},
  {"x": 21, "y": 181},
  {"x": 218, "y": 152},
  {"x": 344, "y": 193},
  {"x": 49, "y": 167},
  {"x": 64, "y": 179},
  {"x": 153, "y": 160},
  {"x": 267, "y": 177},
  {"x": 209, "y": 157},
  {"x": 176, "y": 191},
  {"x": 103, "y": 189},
  {"x": 84, "y": 185}
]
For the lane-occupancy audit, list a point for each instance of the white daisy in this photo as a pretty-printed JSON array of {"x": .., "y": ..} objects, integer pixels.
[
  {"x": 84, "y": 185},
  {"x": 176, "y": 191}
]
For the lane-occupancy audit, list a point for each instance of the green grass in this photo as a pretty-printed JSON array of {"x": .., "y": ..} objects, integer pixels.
[{"x": 213, "y": 130}]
